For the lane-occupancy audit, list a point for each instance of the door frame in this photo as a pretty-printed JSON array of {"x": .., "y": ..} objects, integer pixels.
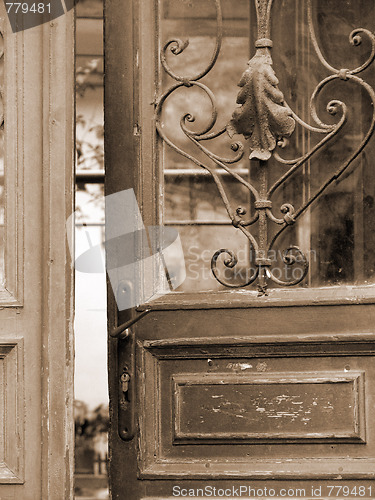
[{"x": 57, "y": 119}]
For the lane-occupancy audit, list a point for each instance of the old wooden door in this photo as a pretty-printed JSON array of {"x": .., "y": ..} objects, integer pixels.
[
  {"x": 255, "y": 376},
  {"x": 36, "y": 313}
]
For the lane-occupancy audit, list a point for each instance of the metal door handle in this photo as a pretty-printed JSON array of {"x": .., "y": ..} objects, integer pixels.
[
  {"x": 126, "y": 370},
  {"x": 121, "y": 332},
  {"x": 126, "y": 382}
]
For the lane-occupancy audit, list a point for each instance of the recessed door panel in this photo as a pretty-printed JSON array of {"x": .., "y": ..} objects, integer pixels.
[{"x": 240, "y": 414}]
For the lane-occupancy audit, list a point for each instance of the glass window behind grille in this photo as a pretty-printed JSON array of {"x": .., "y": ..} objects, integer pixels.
[{"x": 336, "y": 233}]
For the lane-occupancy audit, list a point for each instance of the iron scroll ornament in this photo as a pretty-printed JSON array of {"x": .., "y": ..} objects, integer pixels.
[{"x": 265, "y": 120}]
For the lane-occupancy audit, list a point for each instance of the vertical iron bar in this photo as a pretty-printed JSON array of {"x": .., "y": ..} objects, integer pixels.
[
  {"x": 262, "y": 253},
  {"x": 263, "y": 8}
]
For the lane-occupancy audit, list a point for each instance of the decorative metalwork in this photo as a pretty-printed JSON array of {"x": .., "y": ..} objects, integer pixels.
[{"x": 265, "y": 119}]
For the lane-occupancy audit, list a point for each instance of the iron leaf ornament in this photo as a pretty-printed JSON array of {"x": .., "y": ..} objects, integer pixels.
[{"x": 262, "y": 118}]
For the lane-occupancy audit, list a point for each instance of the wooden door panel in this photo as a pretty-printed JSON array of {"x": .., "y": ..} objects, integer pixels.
[
  {"x": 235, "y": 316},
  {"x": 210, "y": 408},
  {"x": 276, "y": 407},
  {"x": 36, "y": 355},
  {"x": 12, "y": 411}
]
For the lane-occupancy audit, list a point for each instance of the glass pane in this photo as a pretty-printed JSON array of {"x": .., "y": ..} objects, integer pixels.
[
  {"x": 192, "y": 200},
  {"x": 206, "y": 171},
  {"x": 336, "y": 231}
]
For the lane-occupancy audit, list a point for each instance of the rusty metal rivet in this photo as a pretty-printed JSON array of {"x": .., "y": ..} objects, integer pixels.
[{"x": 343, "y": 74}]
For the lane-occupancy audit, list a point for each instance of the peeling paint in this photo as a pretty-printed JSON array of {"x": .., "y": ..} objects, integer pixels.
[
  {"x": 278, "y": 407},
  {"x": 239, "y": 366}
]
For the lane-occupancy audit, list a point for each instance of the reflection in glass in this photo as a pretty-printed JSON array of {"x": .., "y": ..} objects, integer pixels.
[{"x": 335, "y": 232}]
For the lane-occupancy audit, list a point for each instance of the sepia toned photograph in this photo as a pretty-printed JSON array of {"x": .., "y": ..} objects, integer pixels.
[{"x": 187, "y": 249}]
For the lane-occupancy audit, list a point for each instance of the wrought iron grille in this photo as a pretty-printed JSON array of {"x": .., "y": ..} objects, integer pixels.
[{"x": 265, "y": 120}]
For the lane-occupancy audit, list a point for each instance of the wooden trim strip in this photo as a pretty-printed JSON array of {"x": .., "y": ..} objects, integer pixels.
[{"x": 57, "y": 299}]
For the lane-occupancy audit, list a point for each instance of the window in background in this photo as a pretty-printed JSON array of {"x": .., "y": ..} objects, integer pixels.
[{"x": 91, "y": 392}]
